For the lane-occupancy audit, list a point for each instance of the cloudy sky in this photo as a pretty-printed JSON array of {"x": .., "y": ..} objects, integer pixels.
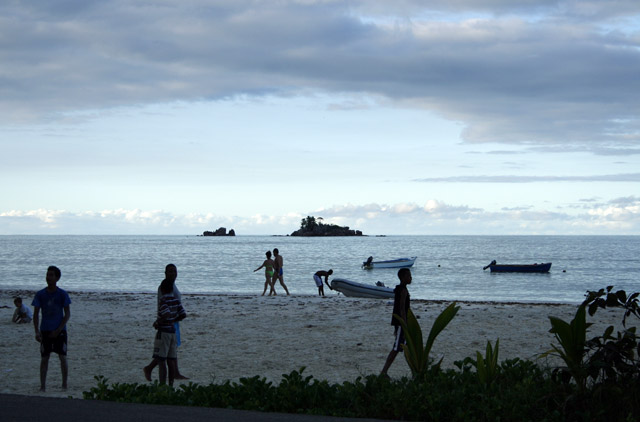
[{"x": 403, "y": 117}]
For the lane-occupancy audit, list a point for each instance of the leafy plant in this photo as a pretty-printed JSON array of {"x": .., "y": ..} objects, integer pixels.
[
  {"x": 614, "y": 357},
  {"x": 572, "y": 338},
  {"x": 618, "y": 299},
  {"x": 417, "y": 354},
  {"x": 487, "y": 367}
]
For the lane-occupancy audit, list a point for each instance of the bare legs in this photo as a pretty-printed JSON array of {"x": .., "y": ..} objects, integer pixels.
[
  {"x": 156, "y": 362},
  {"x": 64, "y": 368},
  {"x": 270, "y": 282},
  {"x": 390, "y": 359},
  {"x": 281, "y": 280},
  {"x": 44, "y": 367},
  {"x": 147, "y": 369}
]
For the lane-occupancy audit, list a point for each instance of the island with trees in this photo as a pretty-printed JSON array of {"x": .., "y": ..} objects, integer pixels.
[{"x": 310, "y": 227}]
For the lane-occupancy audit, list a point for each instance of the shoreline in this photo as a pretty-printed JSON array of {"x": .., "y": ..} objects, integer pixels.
[
  {"x": 29, "y": 293},
  {"x": 229, "y": 336}
]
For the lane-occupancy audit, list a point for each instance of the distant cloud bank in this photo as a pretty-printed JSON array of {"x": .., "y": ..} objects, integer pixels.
[{"x": 620, "y": 216}]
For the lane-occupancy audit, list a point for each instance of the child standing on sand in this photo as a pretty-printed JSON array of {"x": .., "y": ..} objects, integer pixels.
[
  {"x": 401, "y": 308},
  {"x": 165, "y": 346},
  {"x": 52, "y": 332}
]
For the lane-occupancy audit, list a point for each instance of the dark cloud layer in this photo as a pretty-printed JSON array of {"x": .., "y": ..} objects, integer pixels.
[{"x": 540, "y": 73}]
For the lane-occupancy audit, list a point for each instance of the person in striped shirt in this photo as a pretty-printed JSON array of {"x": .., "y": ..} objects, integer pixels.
[{"x": 170, "y": 311}]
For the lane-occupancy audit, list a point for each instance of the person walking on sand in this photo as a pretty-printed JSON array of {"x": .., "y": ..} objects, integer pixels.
[
  {"x": 278, "y": 261},
  {"x": 171, "y": 274},
  {"x": 268, "y": 266},
  {"x": 51, "y": 332},
  {"x": 165, "y": 346},
  {"x": 401, "y": 303},
  {"x": 317, "y": 277}
]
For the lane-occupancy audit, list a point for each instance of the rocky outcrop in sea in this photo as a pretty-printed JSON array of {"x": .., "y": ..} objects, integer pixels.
[{"x": 222, "y": 231}]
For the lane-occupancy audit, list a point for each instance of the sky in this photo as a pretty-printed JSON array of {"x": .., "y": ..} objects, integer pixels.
[{"x": 462, "y": 117}]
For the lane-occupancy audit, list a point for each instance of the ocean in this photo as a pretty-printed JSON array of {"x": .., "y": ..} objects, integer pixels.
[{"x": 447, "y": 268}]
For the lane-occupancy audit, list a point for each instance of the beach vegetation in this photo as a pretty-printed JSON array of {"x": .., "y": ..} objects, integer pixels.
[
  {"x": 572, "y": 338},
  {"x": 416, "y": 353},
  {"x": 487, "y": 366},
  {"x": 605, "y": 359},
  {"x": 614, "y": 357},
  {"x": 524, "y": 391}
]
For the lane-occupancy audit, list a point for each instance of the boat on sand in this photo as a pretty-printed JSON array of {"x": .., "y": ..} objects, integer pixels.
[{"x": 354, "y": 289}]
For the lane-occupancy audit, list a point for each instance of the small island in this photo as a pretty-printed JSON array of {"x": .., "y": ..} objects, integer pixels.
[
  {"x": 310, "y": 227},
  {"x": 222, "y": 231}
]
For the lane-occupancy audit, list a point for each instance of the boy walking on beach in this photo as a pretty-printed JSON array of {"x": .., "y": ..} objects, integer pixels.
[
  {"x": 52, "y": 332},
  {"x": 401, "y": 308},
  {"x": 170, "y": 311}
]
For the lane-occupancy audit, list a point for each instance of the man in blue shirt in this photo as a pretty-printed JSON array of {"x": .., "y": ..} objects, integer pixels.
[{"x": 52, "y": 332}]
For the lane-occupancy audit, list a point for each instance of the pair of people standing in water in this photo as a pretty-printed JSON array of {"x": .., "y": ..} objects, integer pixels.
[{"x": 272, "y": 272}]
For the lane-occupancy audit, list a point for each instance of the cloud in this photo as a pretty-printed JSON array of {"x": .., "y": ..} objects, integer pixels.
[
  {"x": 628, "y": 177},
  {"x": 616, "y": 216},
  {"x": 518, "y": 72}
]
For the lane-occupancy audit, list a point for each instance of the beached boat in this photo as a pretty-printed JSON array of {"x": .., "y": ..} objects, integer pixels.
[
  {"x": 392, "y": 263},
  {"x": 355, "y": 289},
  {"x": 515, "y": 268}
]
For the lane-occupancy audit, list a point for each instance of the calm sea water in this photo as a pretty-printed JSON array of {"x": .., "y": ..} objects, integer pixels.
[{"x": 448, "y": 267}]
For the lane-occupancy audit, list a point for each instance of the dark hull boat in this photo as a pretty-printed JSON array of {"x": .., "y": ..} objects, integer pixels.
[{"x": 514, "y": 268}]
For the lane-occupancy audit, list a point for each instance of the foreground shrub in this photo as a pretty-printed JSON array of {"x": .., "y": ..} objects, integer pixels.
[{"x": 521, "y": 391}]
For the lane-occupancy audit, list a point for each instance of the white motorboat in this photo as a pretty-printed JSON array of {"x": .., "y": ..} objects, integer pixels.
[
  {"x": 392, "y": 263},
  {"x": 355, "y": 289}
]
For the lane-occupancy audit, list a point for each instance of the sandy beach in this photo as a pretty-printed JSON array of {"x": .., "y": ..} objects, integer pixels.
[{"x": 233, "y": 336}]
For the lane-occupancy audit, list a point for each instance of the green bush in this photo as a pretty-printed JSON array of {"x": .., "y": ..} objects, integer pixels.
[{"x": 523, "y": 392}]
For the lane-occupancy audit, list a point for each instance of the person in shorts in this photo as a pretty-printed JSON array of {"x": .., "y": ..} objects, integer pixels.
[
  {"x": 51, "y": 333},
  {"x": 171, "y": 274},
  {"x": 317, "y": 277},
  {"x": 278, "y": 271},
  {"x": 165, "y": 345},
  {"x": 401, "y": 305}
]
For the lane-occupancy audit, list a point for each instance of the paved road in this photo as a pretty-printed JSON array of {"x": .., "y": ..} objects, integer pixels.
[{"x": 35, "y": 408}]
